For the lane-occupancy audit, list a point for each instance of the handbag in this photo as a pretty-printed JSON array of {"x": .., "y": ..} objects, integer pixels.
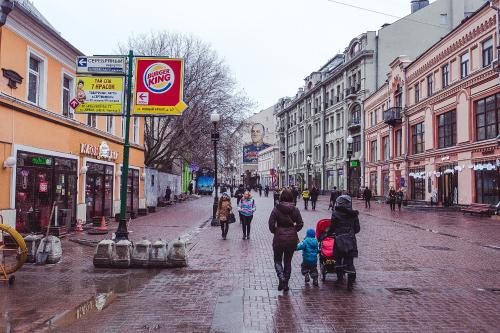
[{"x": 231, "y": 218}]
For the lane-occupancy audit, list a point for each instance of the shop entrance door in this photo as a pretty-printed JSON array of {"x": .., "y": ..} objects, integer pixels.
[
  {"x": 448, "y": 186},
  {"x": 99, "y": 190}
]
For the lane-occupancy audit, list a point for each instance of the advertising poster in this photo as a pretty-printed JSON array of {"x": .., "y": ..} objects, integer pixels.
[
  {"x": 251, "y": 150},
  {"x": 159, "y": 87},
  {"x": 98, "y": 95},
  {"x": 205, "y": 181}
]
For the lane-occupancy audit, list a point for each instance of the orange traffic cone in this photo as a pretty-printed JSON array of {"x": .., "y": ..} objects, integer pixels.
[
  {"x": 103, "y": 226},
  {"x": 79, "y": 227}
]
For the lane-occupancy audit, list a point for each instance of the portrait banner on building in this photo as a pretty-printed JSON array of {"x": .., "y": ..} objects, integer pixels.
[
  {"x": 98, "y": 95},
  {"x": 251, "y": 151},
  {"x": 159, "y": 87}
]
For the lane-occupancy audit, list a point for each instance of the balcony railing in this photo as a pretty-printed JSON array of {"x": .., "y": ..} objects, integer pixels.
[
  {"x": 392, "y": 116},
  {"x": 355, "y": 122}
]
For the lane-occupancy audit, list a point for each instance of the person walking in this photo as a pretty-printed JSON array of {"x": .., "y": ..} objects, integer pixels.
[
  {"x": 310, "y": 249},
  {"x": 367, "y": 195},
  {"x": 333, "y": 197},
  {"x": 306, "y": 195},
  {"x": 344, "y": 227},
  {"x": 392, "y": 199},
  {"x": 246, "y": 208},
  {"x": 399, "y": 198},
  {"x": 284, "y": 222},
  {"x": 314, "y": 197},
  {"x": 239, "y": 194},
  {"x": 259, "y": 187},
  {"x": 168, "y": 193},
  {"x": 190, "y": 188},
  {"x": 266, "y": 191},
  {"x": 276, "y": 197},
  {"x": 223, "y": 211},
  {"x": 295, "y": 193}
]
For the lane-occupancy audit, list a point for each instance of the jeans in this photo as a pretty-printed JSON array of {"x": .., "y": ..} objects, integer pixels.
[
  {"x": 311, "y": 269},
  {"x": 306, "y": 201},
  {"x": 313, "y": 204},
  {"x": 283, "y": 262},
  {"x": 224, "y": 227},
  {"x": 367, "y": 203},
  {"x": 245, "y": 224}
]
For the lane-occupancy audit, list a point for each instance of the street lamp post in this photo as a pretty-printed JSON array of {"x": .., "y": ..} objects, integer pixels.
[
  {"x": 215, "y": 118},
  {"x": 308, "y": 160},
  {"x": 349, "y": 156},
  {"x": 231, "y": 167}
]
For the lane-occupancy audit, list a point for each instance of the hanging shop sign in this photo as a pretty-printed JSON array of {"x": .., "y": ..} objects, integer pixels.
[
  {"x": 114, "y": 65},
  {"x": 98, "y": 95},
  {"x": 101, "y": 152},
  {"x": 159, "y": 87}
]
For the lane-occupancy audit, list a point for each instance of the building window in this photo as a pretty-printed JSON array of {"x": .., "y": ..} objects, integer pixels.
[
  {"x": 136, "y": 130},
  {"x": 385, "y": 148},
  {"x": 373, "y": 182},
  {"x": 487, "y": 117},
  {"x": 487, "y": 52},
  {"x": 398, "y": 97},
  {"x": 66, "y": 96},
  {"x": 445, "y": 75},
  {"x": 444, "y": 19},
  {"x": 447, "y": 129},
  {"x": 92, "y": 120},
  {"x": 34, "y": 78},
  {"x": 110, "y": 124},
  {"x": 339, "y": 121},
  {"x": 417, "y": 185},
  {"x": 430, "y": 84},
  {"x": 464, "y": 65},
  {"x": 398, "y": 142},
  {"x": 417, "y": 138},
  {"x": 417, "y": 93},
  {"x": 356, "y": 143},
  {"x": 487, "y": 186},
  {"x": 373, "y": 149}
]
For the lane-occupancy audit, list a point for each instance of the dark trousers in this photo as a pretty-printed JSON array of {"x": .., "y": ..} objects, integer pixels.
[
  {"x": 393, "y": 205},
  {"x": 306, "y": 202},
  {"x": 224, "y": 228},
  {"x": 367, "y": 203},
  {"x": 345, "y": 264},
  {"x": 399, "y": 205},
  {"x": 313, "y": 204},
  {"x": 283, "y": 262},
  {"x": 311, "y": 269},
  {"x": 245, "y": 224}
]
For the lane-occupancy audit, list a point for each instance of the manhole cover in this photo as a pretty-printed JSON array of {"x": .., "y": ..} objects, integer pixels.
[
  {"x": 403, "y": 291},
  {"x": 437, "y": 248}
]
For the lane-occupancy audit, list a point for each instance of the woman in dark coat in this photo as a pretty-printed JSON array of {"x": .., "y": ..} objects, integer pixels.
[
  {"x": 285, "y": 221},
  {"x": 314, "y": 197},
  {"x": 345, "y": 226}
]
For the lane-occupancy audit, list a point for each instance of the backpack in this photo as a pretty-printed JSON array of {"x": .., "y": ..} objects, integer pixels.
[{"x": 327, "y": 247}]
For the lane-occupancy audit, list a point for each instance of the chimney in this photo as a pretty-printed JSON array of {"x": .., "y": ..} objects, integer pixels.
[{"x": 416, "y": 5}]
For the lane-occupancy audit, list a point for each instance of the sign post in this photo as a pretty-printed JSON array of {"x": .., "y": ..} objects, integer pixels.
[{"x": 122, "y": 232}]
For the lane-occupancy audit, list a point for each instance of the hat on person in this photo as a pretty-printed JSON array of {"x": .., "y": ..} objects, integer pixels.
[
  {"x": 225, "y": 195},
  {"x": 311, "y": 233},
  {"x": 344, "y": 201}
]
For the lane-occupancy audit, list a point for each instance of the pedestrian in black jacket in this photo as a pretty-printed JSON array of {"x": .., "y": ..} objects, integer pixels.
[
  {"x": 392, "y": 199},
  {"x": 345, "y": 226},
  {"x": 285, "y": 221},
  {"x": 314, "y": 197},
  {"x": 295, "y": 194},
  {"x": 367, "y": 195},
  {"x": 168, "y": 193},
  {"x": 239, "y": 194},
  {"x": 333, "y": 197}
]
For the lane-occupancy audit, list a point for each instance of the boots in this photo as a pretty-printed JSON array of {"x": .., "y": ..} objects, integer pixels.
[
  {"x": 307, "y": 278},
  {"x": 351, "y": 278},
  {"x": 285, "y": 286}
]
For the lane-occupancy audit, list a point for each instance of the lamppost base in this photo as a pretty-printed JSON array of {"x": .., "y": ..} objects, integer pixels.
[
  {"x": 122, "y": 233},
  {"x": 215, "y": 222}
]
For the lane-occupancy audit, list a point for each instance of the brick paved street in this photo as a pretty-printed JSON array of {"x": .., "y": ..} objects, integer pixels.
[{"x": 230, "y": 286}]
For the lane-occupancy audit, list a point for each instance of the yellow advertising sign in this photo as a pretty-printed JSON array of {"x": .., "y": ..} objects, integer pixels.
[{"x": 98, "y": 95}]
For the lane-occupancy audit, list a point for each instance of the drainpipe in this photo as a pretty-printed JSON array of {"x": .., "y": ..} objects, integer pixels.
[
  {"x": 324, "y": 179},
  {"x": 497, "y": 17},
  {"x": 6, "y": 7}
]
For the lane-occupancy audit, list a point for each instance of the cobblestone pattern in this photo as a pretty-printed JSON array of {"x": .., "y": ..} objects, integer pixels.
[{"x": 450, "y": 279}]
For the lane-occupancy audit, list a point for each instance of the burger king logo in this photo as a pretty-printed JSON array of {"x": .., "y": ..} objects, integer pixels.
[{"x": 159, "y": 78}]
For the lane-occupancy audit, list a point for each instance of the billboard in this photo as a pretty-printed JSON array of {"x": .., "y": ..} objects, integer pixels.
[
  {"x": 251, "y": 150},
  {"x": 205, "y": 181},
  {"x": 159, "y": 87},
  {"x": 98, "y": 95}
]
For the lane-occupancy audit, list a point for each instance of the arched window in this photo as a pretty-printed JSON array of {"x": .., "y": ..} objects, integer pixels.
[
  {"x": 356, "y": 113},
  {"x": 354, "y": 49}
]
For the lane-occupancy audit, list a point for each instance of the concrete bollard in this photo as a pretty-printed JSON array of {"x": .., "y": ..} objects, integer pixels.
[
  {"x": 177, "y": 256},
  {"x": 53, "y": 248},
  {"x": 103, "y": 253},
  {"x": 158, "y": 254},
  {"x": 121, "y": 254},
  {"x": 140, "y": 253},
  {"x": 32, "y": 243}
]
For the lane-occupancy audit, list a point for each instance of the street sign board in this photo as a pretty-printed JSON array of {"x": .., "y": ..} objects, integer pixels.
[
  {"x": 114, "y": 65},
  {"x": 159, "y": 87},
  {"x": 99, "y": 95}
]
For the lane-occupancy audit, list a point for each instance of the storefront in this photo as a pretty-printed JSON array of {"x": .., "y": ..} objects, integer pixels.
[
  {"x": 448, "y": 185},
  {"x": 133, "y": 191},
  {"x": 99, "y": 190},
  {"x": 417, "y": 184},
  {"x": 44, "y": 180},
  {"x": 374, "y": 182},
  {"x": 487, "y": 182}
]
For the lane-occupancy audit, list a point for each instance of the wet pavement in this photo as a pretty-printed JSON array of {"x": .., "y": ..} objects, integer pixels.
[{"x": 417, "y": 272}]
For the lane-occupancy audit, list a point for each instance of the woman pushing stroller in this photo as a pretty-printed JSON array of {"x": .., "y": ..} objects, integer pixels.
[{"x": 345, "y": 226}]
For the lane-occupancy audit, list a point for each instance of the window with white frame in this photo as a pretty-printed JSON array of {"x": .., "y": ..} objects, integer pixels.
[
  {"x": 136, "y": 130},
  {"x": 92, "y": 120},
  {"x": 110, "y": 124},
  {"x": 464, "y": 65},
  {"x": 66, "y": 96},
  {"x": 487, "y": 52},
  {"x": 35, "y": 72}
]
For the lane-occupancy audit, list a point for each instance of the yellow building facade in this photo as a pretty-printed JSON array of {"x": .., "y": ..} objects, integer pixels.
[{"x": 49, "y": 155}]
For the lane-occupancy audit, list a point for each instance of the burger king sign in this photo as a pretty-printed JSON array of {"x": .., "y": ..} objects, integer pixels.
[{"x": 159, "y": 86}]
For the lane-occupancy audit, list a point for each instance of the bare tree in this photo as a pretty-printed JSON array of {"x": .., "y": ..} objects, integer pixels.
[{"x": 208, "y": 86}]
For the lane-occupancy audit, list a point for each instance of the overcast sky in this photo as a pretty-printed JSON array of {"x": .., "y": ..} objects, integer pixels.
[{"x": 270, "y": 45}]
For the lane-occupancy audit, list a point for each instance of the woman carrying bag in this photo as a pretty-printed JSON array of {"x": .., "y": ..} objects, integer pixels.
[
  {"x": 246, "y": 209},
  {"x": 285, "y": 221},
  {"x": 224, "y": 214}
]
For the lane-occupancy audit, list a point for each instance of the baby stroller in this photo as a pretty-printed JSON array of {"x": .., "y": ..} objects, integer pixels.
[{"x": 326, "y": 244}]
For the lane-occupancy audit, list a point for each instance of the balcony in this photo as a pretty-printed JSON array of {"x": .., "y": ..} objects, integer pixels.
[
  {"x": 350, "y": 92},
  {"x": 354, "y": 123},
  {"x": 392, "y": 116}
]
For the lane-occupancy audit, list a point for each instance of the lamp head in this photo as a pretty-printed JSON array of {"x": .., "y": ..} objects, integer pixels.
[
  {"x": 215, "y": 117},
  {"x": 349, "y": 139}
]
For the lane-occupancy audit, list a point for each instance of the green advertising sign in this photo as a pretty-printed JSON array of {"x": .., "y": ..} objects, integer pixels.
[
  {"x": 41, "y": 161},
  {"x": 354, "y": 164}
]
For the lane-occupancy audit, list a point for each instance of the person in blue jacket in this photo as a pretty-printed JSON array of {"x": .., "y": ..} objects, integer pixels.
[{"x": 310, "y": 249}]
